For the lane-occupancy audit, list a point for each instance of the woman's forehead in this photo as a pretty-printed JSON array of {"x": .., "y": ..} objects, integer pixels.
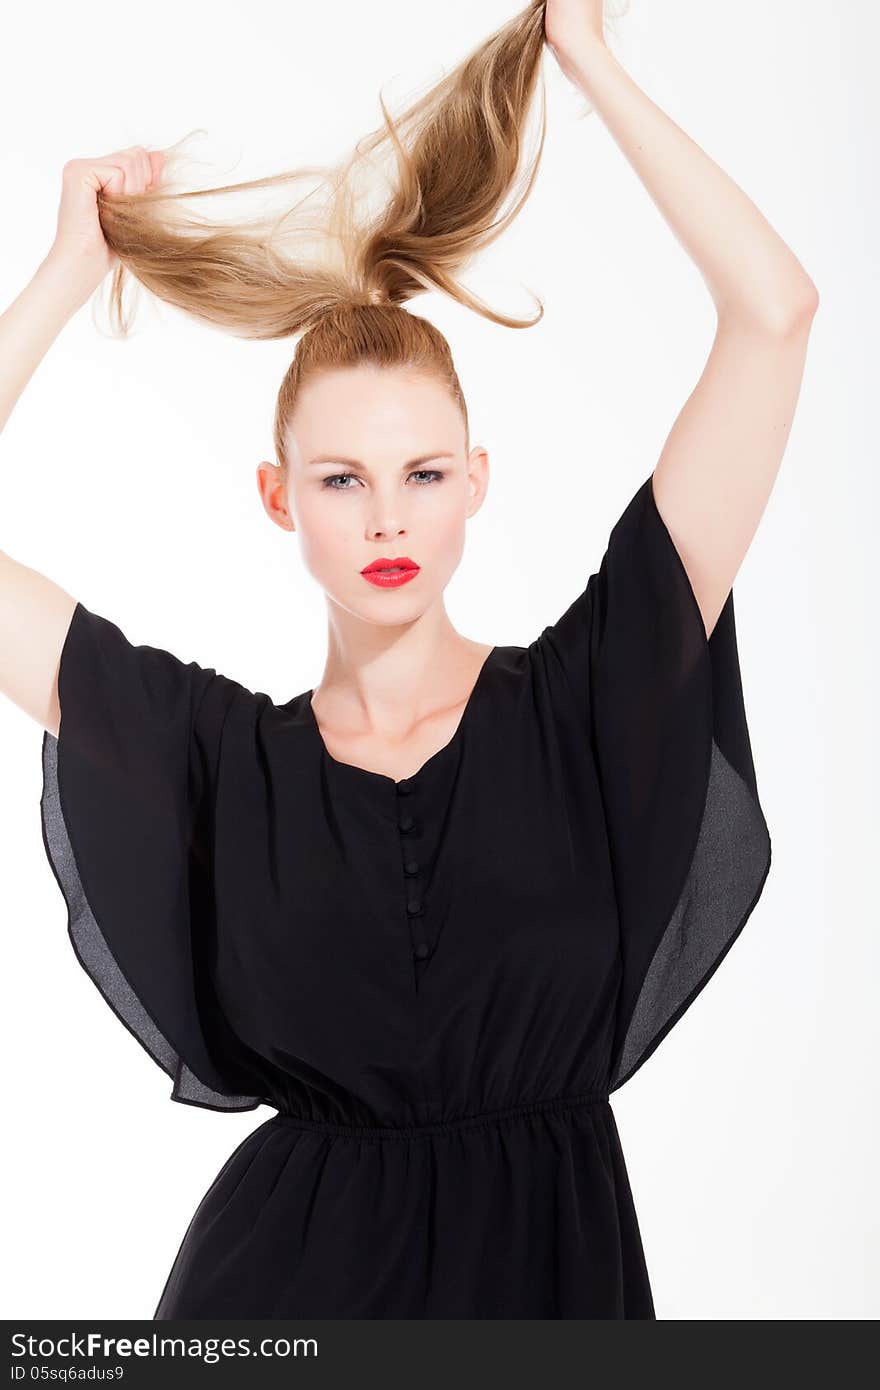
[{"x": 363, "y": 416}]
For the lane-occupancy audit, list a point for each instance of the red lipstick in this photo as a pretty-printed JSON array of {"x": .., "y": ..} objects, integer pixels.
[{"x": 389, "y": 574}]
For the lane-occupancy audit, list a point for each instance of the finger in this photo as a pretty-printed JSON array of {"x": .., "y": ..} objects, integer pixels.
[
  {"x": 157, "y": 164},
  {"x": 131, "y": 166},
  {"x": 143, "y": 169},
  {"x": 106, "y": 178},
  {"x": 132, "y": 175}
]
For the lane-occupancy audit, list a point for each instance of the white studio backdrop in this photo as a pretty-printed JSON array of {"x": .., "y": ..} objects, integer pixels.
[{"x": 128, "y": 475}]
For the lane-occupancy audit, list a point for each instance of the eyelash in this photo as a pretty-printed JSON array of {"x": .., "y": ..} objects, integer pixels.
[{"x": 432, "y": 473}]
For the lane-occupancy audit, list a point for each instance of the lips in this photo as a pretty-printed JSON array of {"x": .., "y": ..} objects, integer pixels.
[
  {"x": 400, "y": 562},
  {"x": 387, "y": 573}
]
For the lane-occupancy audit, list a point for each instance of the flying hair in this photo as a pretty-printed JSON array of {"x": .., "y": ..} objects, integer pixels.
[{"x": 332, "y": 269}]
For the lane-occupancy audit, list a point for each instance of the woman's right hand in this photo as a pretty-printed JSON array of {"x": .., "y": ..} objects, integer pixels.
[{"x": 79, "y": 239}]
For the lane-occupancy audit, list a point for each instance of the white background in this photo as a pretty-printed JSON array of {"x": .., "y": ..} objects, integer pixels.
[{"x": 128, "y": 476}]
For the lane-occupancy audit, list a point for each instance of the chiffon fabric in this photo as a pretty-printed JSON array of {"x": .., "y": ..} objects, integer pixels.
[{"x": 434, "y": 984}]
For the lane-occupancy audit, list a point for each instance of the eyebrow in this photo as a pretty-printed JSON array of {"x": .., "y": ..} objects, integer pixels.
[{"x": 355, "y": 463}]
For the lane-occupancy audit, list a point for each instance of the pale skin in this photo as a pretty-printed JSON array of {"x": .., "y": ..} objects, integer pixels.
[
  {"x": 398, "y": 674},
  {"x": 719, "y": 463}
]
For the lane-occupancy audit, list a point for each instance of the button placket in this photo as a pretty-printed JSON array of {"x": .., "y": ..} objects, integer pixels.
[{"x": 411, "y": 867}]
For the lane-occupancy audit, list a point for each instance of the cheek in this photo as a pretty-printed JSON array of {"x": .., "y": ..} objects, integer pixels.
[
  {"x": 327, "y": 524},
  {"x": 445, "y": 536},
  {"x": 443, "y": 518}
]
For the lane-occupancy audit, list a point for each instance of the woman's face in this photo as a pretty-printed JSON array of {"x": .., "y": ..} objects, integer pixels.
[{"x": 377, "y": 469}]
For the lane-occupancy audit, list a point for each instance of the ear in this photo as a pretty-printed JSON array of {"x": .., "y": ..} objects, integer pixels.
[
  {"x": 478, "y": 476},
  {"x": 478, "y": 461},
  {"x": 273, "y": 494}
]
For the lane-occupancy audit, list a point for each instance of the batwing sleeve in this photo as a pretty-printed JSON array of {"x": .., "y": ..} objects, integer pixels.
[
  {"x": 126, "y": 821},
  {"x": 663, "y": 709}
]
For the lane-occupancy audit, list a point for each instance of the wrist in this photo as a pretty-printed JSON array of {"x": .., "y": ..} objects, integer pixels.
[
  {"x": 582, "y": 59},
  {"x": 72, "y": 275}
]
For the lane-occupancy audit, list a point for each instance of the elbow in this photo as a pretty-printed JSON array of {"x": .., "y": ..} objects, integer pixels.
[
  {"x": 782, "y": 316},
  {"x": 795, "y": 313}
]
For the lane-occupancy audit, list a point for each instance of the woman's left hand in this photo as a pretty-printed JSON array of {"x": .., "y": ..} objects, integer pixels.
[{"x": 569, "y": 26}]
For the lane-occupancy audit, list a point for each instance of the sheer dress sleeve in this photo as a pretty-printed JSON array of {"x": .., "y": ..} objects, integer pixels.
[
  {"x": 126, "y": 822},
  {"x": 663, "y": 709}
]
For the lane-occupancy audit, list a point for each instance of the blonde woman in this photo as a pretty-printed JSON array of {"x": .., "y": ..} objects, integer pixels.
[{"x": 437, "y": 909}]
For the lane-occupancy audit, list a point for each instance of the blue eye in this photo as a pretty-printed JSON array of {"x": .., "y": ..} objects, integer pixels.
[{"x": 431, "y": 474}]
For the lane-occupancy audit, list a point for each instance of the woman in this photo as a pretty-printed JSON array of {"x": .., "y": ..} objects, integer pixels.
[{"x": 436, "y": 910}]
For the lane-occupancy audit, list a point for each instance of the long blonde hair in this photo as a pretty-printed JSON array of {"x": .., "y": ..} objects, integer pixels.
[{"x": 456, "y": 154}]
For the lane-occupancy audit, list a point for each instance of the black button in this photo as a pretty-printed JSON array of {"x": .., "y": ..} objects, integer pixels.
[
  {"x": 421, "y": 950},
  {"x": 414, "y": 905},
  {"x": 411, "y": 866},
  {"x": 404, "y": 786},
  {"x": 406, "y": 822}
]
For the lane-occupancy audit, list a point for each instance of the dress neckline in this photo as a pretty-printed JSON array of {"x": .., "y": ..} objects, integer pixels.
[{"x": 382, "y": 777}]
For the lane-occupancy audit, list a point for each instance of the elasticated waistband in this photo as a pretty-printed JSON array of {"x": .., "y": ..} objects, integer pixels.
[{"x": 463, "y": 1122}]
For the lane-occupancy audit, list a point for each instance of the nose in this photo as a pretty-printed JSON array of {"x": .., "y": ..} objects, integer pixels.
[
  {"x": 385, "y": 513},
  {"x": 385, "y": 525}
]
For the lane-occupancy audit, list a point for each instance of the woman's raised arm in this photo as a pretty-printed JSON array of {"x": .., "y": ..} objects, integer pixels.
[
  {"x": 35, "y": 612},
  {"x": 721, "y": 457}
]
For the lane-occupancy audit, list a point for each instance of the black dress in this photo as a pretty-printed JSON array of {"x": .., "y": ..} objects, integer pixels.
[{"x": 435, "y": 983}]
